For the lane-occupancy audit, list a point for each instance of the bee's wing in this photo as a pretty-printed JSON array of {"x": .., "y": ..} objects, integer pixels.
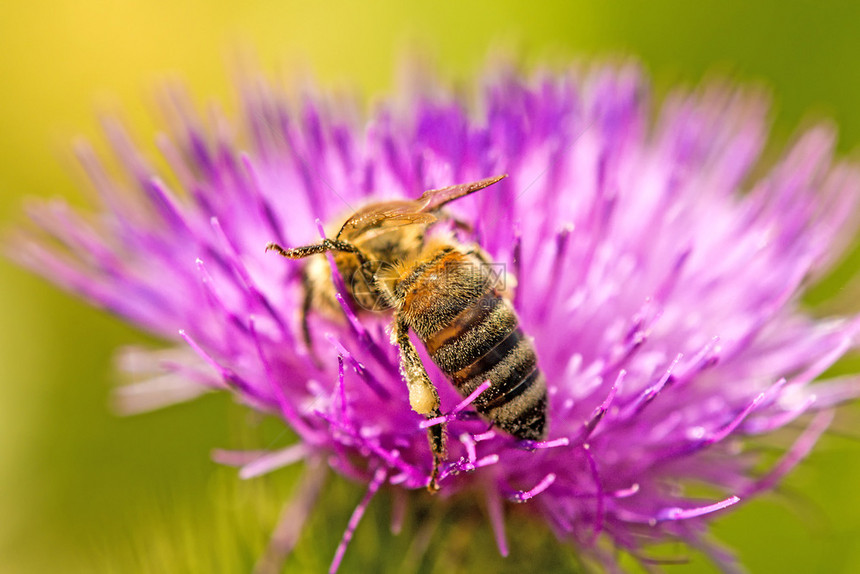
[
  {"x": 384, "y": 216},
  {"x": 435, "y": 198}
]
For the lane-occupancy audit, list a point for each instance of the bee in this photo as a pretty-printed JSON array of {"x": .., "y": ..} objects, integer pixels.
[{"x": 447, "y": 293}]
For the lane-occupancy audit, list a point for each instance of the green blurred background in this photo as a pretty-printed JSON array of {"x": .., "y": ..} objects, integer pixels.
[{"x": 84, "y": 491}]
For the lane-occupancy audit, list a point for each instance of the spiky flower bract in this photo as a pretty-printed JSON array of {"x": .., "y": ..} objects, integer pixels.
[{"x": 659, "y": 280}]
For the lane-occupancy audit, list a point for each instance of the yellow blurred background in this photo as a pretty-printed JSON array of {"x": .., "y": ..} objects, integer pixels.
[{"x": 84, "y": 491}]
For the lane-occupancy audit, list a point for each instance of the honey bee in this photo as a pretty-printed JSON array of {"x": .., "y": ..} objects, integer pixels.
[{"x": 448, "y": 294}]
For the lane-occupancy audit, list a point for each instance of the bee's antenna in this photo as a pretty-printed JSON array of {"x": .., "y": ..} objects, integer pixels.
[{"x": 317, "y": 248}]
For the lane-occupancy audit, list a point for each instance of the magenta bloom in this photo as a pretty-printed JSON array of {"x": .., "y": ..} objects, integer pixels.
[{"x": 658, "y": 279}]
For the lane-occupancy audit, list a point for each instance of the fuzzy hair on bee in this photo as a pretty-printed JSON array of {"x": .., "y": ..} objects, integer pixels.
[{"x": 447, "y": 293}]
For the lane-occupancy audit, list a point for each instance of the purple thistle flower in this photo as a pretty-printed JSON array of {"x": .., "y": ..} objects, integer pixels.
[{"x": 659, "y": 281}]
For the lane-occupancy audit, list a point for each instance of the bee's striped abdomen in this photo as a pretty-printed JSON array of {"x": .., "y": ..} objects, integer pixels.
[{"x": 480, "y": 339}]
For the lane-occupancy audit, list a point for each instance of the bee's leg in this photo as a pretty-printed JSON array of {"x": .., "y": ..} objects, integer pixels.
[
  {"x": 481, "y": 255},
  {"x": 307, "y": 303},
  {"x": 306, "y": 308},
  {"x": 463, "y": 226},
  {"x": 423, "y": 397},
  {"x": 436, "y": 437},
  {"x": 306, "y": 251},
  {"x": 458, "y": 224}
]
